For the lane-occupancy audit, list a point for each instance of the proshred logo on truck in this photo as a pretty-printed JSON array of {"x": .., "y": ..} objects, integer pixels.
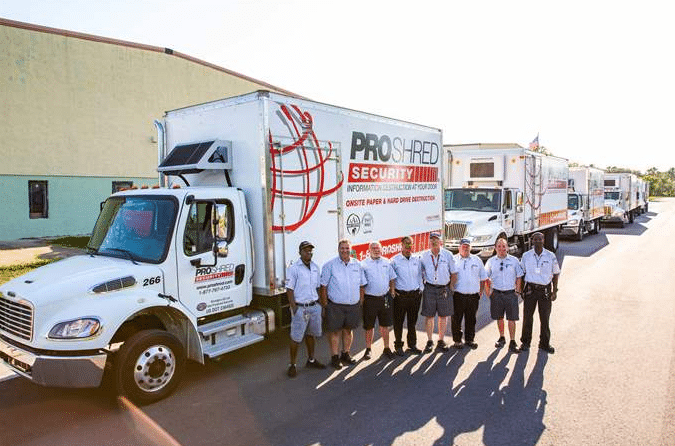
[
  {"x": 398, "y": 160},
  {"x": 213, "y": 272}
]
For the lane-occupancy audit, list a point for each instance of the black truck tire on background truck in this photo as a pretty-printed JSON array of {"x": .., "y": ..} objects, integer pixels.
[
  {"x": 158, "y": 358},
  {"x": 551, "y": 239}
]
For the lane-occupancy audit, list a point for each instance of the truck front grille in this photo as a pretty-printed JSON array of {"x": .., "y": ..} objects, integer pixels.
[
  {"x": 16, "y": 318},
  {"x": 455, "y": 231},
  {"x": 608, "y": 210}
]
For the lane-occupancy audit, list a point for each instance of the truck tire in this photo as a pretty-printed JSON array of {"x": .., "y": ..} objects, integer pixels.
[
  {"x": 596, "y": 226},
  {"x": 631, "y": 217},
  {"x": 551, "y": 239},
  {"x": 580, "y": 235},
  {"x": 149, "y": 366}
]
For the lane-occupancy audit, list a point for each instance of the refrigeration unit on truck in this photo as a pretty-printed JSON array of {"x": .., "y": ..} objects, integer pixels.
[
  {"x": 585, "y": 202},
  {"x": 621, "y": 198},
  {"x": 197, "y": 269},
  {"x": 503, "y": 190}
]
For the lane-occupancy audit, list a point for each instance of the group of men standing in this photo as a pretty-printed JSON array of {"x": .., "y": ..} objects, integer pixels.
[{"x": 392, "y": 292}]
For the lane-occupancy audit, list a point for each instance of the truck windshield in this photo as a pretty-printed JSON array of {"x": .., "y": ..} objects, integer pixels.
[
  {"x": 572, "y": 202},
  {"x": 136, "y": 228},
  {"x": 484, "y": 200},
  {"x": 612, "y": 195}
]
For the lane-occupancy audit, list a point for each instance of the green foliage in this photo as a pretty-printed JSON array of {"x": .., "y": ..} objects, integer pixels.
[
  {"x": 661, "y": 184},
  {"x": 71, "y": 242}
]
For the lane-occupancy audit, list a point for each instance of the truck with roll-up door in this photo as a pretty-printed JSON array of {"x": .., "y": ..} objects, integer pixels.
[
  {"x": 503, "y": 190},
  {"x": 622, "y": 198},
  {"x": 585, "y": 202},
  {"x": 196, "y": 268}
]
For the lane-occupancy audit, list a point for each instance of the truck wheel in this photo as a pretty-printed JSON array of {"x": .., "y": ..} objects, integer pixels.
[
  {"x": 149, "y": 366},
  {"x": 551, "y": 239},
  {"x": 580, "y": 235},
  {"x": 596, "y": 226},
  {"x": 631, "y": 217}
]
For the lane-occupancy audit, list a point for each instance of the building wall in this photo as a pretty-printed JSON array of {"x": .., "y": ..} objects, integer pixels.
[{"x": 77, "y": 109}]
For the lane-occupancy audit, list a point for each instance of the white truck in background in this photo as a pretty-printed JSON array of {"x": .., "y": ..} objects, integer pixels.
[
  {"x": 503, "y": 190},
  {"x": 643, "y": 200},
  {"x": 585, "y": 202},
  {"x": 622, "y": 198},
  {"x": 197, "y": 269}
]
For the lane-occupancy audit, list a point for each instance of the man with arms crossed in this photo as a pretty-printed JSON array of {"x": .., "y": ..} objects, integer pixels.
[
  {"x": 377, "y": 298},
  {"x": 302, "y": 283},
  {"x": 342, "y": 295},
  {"x": 407, "y": 295},
  {"x": 504, "y": 283},
  {"x": 438, "y": 270}
]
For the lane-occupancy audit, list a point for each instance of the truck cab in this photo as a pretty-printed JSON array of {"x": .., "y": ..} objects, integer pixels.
[{"x": 615, "y": 207}]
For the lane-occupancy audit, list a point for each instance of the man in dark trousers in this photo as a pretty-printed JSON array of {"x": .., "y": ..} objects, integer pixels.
[
  {"x": 541, "y": 288},
  {"x": 407, "y": 295}
]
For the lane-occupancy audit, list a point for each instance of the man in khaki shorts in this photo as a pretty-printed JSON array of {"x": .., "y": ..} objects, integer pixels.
[{"x": 302, "y": 284}]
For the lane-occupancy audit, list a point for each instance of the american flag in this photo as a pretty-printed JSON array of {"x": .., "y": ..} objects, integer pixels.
[{"x": 534, "y": 145}]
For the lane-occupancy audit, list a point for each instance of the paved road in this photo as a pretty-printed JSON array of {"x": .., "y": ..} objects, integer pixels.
[{"x": 611, "y": 380}]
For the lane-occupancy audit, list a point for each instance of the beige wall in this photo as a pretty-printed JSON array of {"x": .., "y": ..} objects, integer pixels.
[{"x": 71, "y": 106}]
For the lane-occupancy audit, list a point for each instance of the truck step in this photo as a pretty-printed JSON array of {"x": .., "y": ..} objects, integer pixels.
[
  {"x": 233, "y": 343},
  {"x": 222, "y": 325}
]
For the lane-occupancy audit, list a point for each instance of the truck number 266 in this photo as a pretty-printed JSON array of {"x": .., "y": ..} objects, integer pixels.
[{"x": 152, "y": 280}]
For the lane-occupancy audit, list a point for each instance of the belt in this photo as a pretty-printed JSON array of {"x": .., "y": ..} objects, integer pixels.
[
  {"x": 407, "y": 293},
  {"x": 504, "y": 291},
  {"x": 536, "y": 286},
  {"x": 311, "y": 304},
  {"x": 436, "y": 286},
  {"x": 372, "y": 296}
]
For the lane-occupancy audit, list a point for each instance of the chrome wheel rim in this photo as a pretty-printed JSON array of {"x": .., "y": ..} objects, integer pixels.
[{"x": 154, "y": 368}]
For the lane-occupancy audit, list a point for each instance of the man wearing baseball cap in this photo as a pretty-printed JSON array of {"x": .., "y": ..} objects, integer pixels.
[
  {"x": 470, "y": 285},
  {"x": 302, "y": 283}
]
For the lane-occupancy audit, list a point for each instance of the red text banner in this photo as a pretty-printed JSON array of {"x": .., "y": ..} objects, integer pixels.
[
  {"x": 391, "y": 173},
  {"x": 392, "y": 246}
]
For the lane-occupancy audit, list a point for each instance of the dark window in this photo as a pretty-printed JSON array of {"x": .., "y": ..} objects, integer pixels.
[
  {"x": 119, "y": 185},
  {"x": 38, "y": 203},
  {"x": 203, "y": 218},
  {"x": 610, "y": 183},
  {"x": 482, "y": 170}
]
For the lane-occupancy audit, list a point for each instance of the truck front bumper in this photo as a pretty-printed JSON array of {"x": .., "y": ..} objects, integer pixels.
[
  {"x": 54, "y": 371},
  {"x": 568, "y": 230}
]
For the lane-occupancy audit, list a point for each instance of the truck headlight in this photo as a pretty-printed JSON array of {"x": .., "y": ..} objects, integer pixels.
[
  {"x": 573, "y": 222},
  {"x": 617, "y": 213},
  {"x": 481, "y": 238},
  {"x": 77, "y": 329}
]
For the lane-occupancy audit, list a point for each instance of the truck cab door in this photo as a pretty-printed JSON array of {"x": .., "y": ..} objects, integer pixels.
[
  {"x": 509, "y": 212},
  {"x": 212, "y": 260}
]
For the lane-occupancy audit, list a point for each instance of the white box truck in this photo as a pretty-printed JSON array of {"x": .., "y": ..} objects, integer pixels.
[
  {"x": 643, "y": 195},
  {"x": 585, "y": 202},
  {"x": 197, "y": 269},
  {"x": 621, "y": 198},
  {"x": 503, "y": 190}
]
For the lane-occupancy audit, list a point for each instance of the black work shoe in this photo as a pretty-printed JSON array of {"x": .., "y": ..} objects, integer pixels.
[
  {"x": 315, "y": 365},
  {"x": 366, "y": 355},
  {"x": 524, "y": 347},
  {"x": 399, "y": 351},
  {"x": 335, "y": 362},
  {"x": 458, "y": 345},
  {"x": 513, "y": 347},
  {"x": 292, "y": 371},
  {"x": 471, "y": 345},
  {"x": 500, "y": 342},
  {"x": 346, "y": 359},
  {"x": 388, "y": 353},
  {"x": 429, "y": 347},
  {"x": 442, "y": 346},
  {"x": 415, "y": 351},
  {"x": 547, "y": 348}
]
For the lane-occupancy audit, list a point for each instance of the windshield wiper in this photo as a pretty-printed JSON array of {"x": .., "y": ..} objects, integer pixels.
[
  {"x": 128, "y": 253},
  {"x": 91, "y": 250}
]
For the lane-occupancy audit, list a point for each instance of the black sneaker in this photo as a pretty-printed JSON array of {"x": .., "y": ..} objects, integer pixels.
[
  {"x": 500, "y": 342},
  {"x": 471, "y": 345},
  {"x": 346, "y": 359},
  {"x": 292, "y": 371},
  {"x": 547, "y": 348},
  {"x": 458, "y": 345},
  {"x": 513, "y": 347},
  {"x": 388, "y": 353},
  {"x": 429, "y": 347},
  {"x": 524, "y": 347},
  {"x": 366, "y": 355},
  {"x": 314, "y": 364},
  {"x": 399, "y": 351},
  {"x": 415, "y": 351},
  {"x": 335, "y": 362},
  {"x": 442, "y": 346}
]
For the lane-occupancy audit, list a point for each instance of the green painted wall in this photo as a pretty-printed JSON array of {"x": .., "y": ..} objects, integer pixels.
[{"x": 74, "y": 203}]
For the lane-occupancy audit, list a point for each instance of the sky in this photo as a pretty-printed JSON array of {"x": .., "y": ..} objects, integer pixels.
[{"x": 594, "y": 79}]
